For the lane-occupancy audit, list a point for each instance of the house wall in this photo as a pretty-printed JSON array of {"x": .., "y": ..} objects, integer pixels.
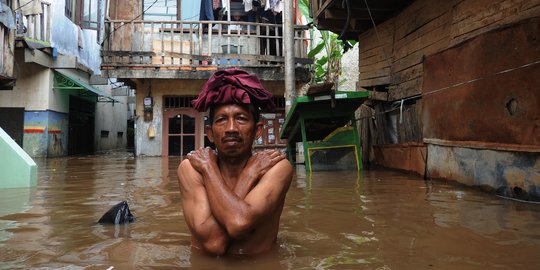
[
  {"x": 67, "y": 36},
  {"x": 112, "y": 118},
  {"x": 144, "y": 145},
  {"x": 472, "y": 65},
  {"x": 395, "y": 55},
  {"x": 31, "y": 90}
]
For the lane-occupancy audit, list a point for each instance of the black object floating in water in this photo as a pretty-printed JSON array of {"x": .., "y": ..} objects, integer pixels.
[{"x": 118, "y": 214}]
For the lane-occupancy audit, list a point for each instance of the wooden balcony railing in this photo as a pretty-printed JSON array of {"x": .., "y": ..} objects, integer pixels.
[
  {"x": 197, "y": 44},
  {"x": 36, "y": 27}
]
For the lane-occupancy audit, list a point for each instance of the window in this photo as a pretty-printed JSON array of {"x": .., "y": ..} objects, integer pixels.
[
  {"x": 160, "y": 10},
  {"x": 84, "y": 13},
  {"x": 69, "y": 8},
  {"x": 89, "y": 18}
]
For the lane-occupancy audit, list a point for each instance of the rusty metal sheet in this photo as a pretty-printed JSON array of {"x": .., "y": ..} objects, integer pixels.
[
  {"x": 408, "y": 156},
  {"x": 486, "y": 89}
]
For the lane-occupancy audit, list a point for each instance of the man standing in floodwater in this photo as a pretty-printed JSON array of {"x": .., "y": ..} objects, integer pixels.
[{"x": 233, "y": 197}]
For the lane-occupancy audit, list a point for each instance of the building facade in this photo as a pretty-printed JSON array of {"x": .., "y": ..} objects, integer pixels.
[
  {"x": 59, "y": 104},
  {"x": 454, "y": 88},
  {"x": 166, "y": 51}
]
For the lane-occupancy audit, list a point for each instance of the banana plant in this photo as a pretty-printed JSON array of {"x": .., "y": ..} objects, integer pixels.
[{"x": 327, "y": 66}]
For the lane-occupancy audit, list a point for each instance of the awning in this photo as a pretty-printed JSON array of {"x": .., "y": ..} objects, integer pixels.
[{"x": 65, "y": 81}]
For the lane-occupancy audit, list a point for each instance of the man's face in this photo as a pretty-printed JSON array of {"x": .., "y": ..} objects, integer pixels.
[{"x": 233, "y": 130}]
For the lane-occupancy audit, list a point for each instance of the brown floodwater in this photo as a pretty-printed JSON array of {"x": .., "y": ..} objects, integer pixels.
[{"x": 378, "y": 219}]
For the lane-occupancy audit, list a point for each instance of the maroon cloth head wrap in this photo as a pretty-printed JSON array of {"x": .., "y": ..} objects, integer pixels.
[{"x": 233, "y": 86}]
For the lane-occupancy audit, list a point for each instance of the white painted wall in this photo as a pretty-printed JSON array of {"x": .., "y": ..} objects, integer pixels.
[
  {"x": 349, "y": 69},
  {"x": 65, "y": 36},
  {"x": 31, "y": 90},
  {"x": 143, "y": 144},
  {"x": 112, "y": 118}
]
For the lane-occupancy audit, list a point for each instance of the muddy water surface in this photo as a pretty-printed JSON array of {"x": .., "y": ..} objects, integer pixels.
[{"x": 378, "y": 219}]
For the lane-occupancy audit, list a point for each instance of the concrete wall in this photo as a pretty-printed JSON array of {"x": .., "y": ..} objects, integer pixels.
[
  {"x": 31, "y": 90},
  {"x": 65, "y": 36},
  {"x": 512, "y": 174},
  {"x": 145, "y": 145},
  {"x": 112, "y": 118},
  {"x": 164, "y": 87},
  {"x": 45, "y": 133}
]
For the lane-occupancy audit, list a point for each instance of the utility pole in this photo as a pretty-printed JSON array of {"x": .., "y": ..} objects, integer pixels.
[{"x": 288, "y": 50}]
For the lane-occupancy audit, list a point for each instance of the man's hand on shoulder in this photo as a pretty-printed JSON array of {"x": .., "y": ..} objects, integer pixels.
[
  {"x": 262, "y": 161},
  {"x": 201, "y": 157}
]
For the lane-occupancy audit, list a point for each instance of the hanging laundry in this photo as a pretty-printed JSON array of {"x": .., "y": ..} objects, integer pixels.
[
  {"x": 276, "y": 6},
  {"x": 207, "y": 13},
  {"x": 226, "y": 4},
  {"x": 279, "y": 6},
  {"x": 248, "y": 5},
  {"x": 216, "y": 4}
]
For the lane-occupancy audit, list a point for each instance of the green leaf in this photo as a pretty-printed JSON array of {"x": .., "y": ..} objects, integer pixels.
[
  {"x": 322, "y": 61},
  {"x": 316, "y": 50}
]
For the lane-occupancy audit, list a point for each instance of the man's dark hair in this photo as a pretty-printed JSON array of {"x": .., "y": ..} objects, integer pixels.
[{"x": 255, "y": 112}]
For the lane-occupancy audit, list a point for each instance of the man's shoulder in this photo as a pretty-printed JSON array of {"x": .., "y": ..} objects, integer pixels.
[
  {"x": 283, "y": 170},
  {"x": 185, "y": 166},
  {"x": 186, "y": 172}
]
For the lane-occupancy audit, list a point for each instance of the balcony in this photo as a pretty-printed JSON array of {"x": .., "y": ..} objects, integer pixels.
[
  {"x": 139, "y": 49},
  {"x": 34, "y": 29}
]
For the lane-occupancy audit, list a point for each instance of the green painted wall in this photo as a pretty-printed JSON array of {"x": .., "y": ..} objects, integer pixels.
[{"x": 18, "y": 169}]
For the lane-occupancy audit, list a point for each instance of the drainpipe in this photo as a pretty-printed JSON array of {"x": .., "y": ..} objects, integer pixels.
[{"x": 288, "y": 50}]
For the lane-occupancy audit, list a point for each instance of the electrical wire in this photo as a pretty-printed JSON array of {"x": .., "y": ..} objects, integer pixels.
[
  {"x": 138, "y": 16},
  {"x": 347, "y": 21},
  {"x": 435, "y": 91},
  {"x": 24, "y": 5}
]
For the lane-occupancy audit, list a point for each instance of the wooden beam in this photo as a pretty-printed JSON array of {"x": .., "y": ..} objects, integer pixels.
[
  {"x": 324, "y": 6},
  {"x": 357, "y": 14}
]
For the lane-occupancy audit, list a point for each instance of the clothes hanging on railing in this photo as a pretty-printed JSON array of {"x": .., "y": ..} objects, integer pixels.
[
  {"x": 216, "y": 4},
  {"x": 248, "y": 5},
  {"x": 226, "y": 4},
  {"x": 207, "y": 13},
  {"x": 274, "y": 5}
]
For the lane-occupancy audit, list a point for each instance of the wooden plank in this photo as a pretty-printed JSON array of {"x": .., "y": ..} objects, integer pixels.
[
  {"x": 374, "y": 81},
  {"x": 127, "y": 53},
  {"x": 375, "y": 66},
  {"x": 407, "y": 74},
  {"x": 418, "y": 14},
  {"x": 375, "y": 73},
  {"x": 405, "y": 89},
  {"x": 475, "y": 20},
  {"x": 435, "y": 30},
  {"x": 418, "y": 56}
]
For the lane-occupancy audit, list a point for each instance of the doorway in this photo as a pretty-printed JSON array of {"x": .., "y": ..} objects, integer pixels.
[
  {"x": 12, "y": 122},
  {"x": 182, "y": 130},
  {"x": 81, "y": 126}
]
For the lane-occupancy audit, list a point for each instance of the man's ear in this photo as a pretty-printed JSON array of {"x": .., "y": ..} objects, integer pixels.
[
  {"x": 209, "y": 133},
  {"x": 259, "y": 129}
]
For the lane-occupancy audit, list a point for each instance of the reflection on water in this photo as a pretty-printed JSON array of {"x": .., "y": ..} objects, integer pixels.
[{"x": 332, "y": 220}]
